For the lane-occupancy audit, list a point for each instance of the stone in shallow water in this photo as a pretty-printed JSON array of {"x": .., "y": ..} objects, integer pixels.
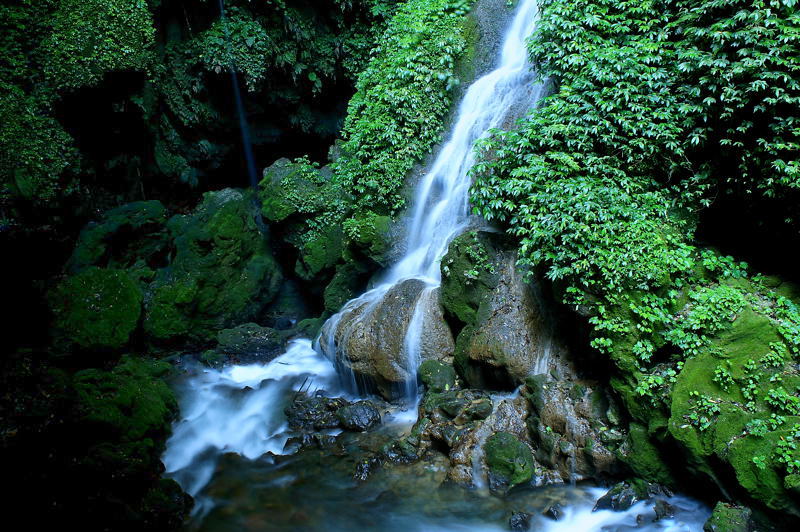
[
  {"x": 520, "y": 521},
  {"x": 314, "y": 412},
  {"x": 553, "y": 512},
  {"x": 358, "y": 416}
]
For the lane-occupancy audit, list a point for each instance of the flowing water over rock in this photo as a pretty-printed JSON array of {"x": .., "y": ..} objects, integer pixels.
[
  {"x": 440, "y": 212},
  {"x": 252, "y": 452}
]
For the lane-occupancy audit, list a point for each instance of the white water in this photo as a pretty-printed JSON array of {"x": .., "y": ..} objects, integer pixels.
[
  {"x": 440, "y": 210},
  {"x": 239, "y": 409}
]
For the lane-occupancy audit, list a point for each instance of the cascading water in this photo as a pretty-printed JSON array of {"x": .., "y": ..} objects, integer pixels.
[{"x": 440, "y": 210}]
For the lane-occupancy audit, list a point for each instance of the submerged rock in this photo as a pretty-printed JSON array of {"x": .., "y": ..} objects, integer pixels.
[
  {"x": 625, "y": 494},
  {"x": 520, "y": 521},
  {"x": 553, "y": 512}
]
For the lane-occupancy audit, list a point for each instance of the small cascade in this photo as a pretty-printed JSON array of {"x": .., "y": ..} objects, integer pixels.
[
  {"x": 238, "y": 409},
  {"x": 440, "y": 210}
]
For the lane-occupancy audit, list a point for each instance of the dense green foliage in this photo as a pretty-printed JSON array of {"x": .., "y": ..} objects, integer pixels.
[
  {"x": 154, "y": 76},
  {"x": 395, "y": 117},
  {"x": 660, "y": 106}
]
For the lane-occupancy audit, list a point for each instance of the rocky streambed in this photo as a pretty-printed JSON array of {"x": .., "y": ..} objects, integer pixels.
[{"x": 277, "y": 446}]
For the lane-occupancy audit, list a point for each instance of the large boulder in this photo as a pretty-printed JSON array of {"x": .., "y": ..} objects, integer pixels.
[
  {"x": 222, "y": 273},
  {"x": 509, "y": 460},
  {"x": 369, "y": 337},
  {"x": 131, "y": 236},
  {"x": 572, "y": 424},
  {"x": 506, "y": 334},
  {"x": 97, "y": 309}
]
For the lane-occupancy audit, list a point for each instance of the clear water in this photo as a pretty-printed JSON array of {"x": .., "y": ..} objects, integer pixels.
[{"x": 229, "y": 452}]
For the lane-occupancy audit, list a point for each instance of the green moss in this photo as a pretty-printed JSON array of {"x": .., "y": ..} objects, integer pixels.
[
  {"x": 130, "y": 403},
  {"x": 369, "y": 234},
  {"x": 97, "y": 308},
  {"x": 222, "y": 273},
  {"x": 644, "y": 458},
  {"x": 729, "y": 518},
  {"x": 347, "y": 283},
  {"x": 124, "y": 236},
  {"x": 469, "y": 273},
  {"x": 509, "y": 459},
  {"x": 437, "y": 376},
  {"x": 321, "y": 252}
]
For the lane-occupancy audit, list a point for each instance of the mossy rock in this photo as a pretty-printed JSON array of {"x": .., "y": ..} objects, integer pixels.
[
  {"x": 348, "y": 282},
  {"x": 321, "y": 251},
  {"x": 729, "y": 518},
  {"x": 510, "y": 461},
  {"x": 369, "y": 234},
  {"x": 724, "y": 436},
  {"x": 222, "y": 274},
  {"x": 468, "y": 273},
  {"x": 644, "y": 458},
  {"x": 437, "y": 376},
  {"x": 133, "y": 234},
  {"x": 250, "y": 339},
  {"x": 130, "y": 403},
  {"x": 98, "y": 308}
]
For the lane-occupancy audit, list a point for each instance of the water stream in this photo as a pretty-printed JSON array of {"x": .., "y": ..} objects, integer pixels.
[
  {"x": 231, "y": 449},
  {"x": 440, "y": 210}
]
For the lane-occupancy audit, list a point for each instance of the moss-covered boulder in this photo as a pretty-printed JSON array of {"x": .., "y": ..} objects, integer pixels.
[
  {"x": 250, "y": 340},
  {"x": 729, "y": 518},
  {"x": 222, "y": 273},
  {"x": 97, "y": 309},
  {"x": 133, "y": 235},
  {"x": 725, "y": 394},
  {"x": 122, "y": 420},
  {"x": 506, "y": 334},
  {"x": 437, "y": 376},
  {"x": 469, "y": 273},
  {"x": 510, "y": 461},
  {"x": 368, "y": 234}
]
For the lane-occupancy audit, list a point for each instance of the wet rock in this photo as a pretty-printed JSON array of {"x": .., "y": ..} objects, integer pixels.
[
  {"x": 520, "y": 521},
  {"x": 506, "y": 336},
  {"x": 663, "y": 510},
  {"x": 358, "y": 416},
  {"x": 314, "y": 412},
  {"x": 572, "y": 435},
  {"x": 509, "y": 460},
  {"x": 553, "y": 512},
  {"x": 625, "y": 494},
  {"x": 437, "y": 376},
  {"x": 250, "y": 341},
  {"x": 365, "y": 467},
  {"x": 729, "y": 518},
  {"x": 370, "y": 337}
]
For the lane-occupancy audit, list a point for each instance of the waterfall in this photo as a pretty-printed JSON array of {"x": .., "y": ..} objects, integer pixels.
[{"x": 440, "y": 210}]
